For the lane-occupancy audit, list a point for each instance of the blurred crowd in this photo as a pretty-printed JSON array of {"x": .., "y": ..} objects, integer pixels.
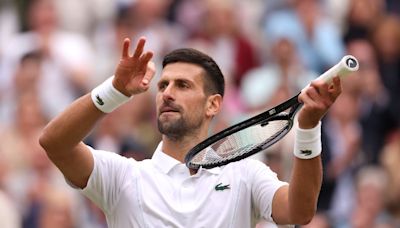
[{"x": 53, "y": 51}]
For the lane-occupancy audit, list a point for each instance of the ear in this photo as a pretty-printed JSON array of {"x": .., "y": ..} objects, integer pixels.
[{"x": 213, "y": 105}]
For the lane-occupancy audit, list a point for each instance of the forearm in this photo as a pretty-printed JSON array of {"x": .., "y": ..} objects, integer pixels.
[
  {"x": 307, "y": 172},
  {"x": 304, "y": 189},
  {"x": 68, "y": 129},
  {"x": 297, "y": 203}
]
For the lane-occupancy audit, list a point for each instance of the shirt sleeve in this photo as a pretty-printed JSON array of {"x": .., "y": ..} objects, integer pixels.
[
  {"x": 107, "y": 179},
  {"x": 264, "y": 183}
]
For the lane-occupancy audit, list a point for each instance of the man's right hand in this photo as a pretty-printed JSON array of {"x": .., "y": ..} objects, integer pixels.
[{"x": 134, "y": 73}]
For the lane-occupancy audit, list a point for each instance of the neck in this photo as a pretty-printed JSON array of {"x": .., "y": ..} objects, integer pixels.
[{"x": 178, "y": 148}]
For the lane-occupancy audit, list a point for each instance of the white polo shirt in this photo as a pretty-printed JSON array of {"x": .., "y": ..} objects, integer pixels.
[{"x": 160, "y": 192}]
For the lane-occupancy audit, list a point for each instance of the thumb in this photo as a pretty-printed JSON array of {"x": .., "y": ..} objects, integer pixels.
[{"x": 150, "y": 72}]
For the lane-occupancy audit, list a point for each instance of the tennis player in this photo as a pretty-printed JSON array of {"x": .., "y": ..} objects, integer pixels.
[{"x": 161, "y": 191}]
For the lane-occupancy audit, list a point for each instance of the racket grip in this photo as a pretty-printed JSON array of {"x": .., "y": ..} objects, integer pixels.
[{"x": 347, "y": 64}]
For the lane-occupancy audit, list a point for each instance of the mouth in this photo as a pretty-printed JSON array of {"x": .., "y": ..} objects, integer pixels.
[{"x": 168, "y": 109}]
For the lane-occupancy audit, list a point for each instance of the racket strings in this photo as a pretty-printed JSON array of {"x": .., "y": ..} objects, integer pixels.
[{"x": 240, "y": 143}]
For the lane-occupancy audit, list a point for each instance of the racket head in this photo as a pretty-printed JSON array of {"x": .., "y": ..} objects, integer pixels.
[{"x": 245, "y": 138}]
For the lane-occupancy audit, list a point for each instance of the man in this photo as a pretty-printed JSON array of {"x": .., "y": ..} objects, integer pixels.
[{"x": 162, "y": 192}]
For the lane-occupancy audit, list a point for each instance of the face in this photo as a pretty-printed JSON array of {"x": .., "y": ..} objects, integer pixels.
[
  {"x": 43, "y": 16},
  {"x": 181, "y": 101}
]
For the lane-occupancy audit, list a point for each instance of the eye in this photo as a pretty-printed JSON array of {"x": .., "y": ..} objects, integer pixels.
[
  {"x": 162, "y": 86},
  {"x": 183, "y": 85}
]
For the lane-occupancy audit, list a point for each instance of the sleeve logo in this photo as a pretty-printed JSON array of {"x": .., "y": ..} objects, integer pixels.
[
  {"x": 99, "y": 100},
  {"x": 306, "y": 152}
]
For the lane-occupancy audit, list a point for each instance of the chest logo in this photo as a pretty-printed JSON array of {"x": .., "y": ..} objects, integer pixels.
[{"x": 220, "y": 187}]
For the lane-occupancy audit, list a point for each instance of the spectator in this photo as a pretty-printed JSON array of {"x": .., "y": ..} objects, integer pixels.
[
  {"x": 24, "y": 81},
  {"x": 9, "y": 217},
  {"x": 390, "y": 159},
  {"x": 362, "y": 17},
  {"x": 386, "y": 39},
  {"x": 369, "y": 211},
  {"x": 277, "y": 80},
  {"x": 375, "y": 118},
  {"x": 316, "y": 37},
  {"x": 56, "y": 210},
  {"x": 343, "y": 139},
  {"x": 134, "y": 19},
  {"x": 271, "y": 84},
  {"x": 67, "y": 57},
  {"x": 222, "y": 36},
  {"x": 132, "y": 137}
]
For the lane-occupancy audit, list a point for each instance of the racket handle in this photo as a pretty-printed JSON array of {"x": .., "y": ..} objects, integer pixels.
[{"x": 347, "y": 64}]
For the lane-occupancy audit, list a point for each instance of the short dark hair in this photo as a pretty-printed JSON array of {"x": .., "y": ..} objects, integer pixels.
[{"x": 216, "y": 82}]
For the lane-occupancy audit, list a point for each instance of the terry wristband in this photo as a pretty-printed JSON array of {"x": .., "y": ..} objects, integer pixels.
[
  {"x": 307, "y": 142},
  {"x": 107, "y": 98}
]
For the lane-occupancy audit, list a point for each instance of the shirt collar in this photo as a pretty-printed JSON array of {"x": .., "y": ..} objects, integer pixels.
[
  {"x": 163, "y": 161},
  {"x": 215, "y": 170},
  {"x": 166, "y": 163}
]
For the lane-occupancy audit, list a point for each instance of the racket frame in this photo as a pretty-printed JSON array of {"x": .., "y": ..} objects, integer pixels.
[{"x": 274, "y": 113}]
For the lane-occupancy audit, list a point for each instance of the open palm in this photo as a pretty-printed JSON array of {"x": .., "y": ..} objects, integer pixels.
[{"x": 134, "y": 73}]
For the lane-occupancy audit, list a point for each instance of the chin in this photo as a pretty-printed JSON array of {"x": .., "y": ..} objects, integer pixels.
[{"x": 167, "y": 120}]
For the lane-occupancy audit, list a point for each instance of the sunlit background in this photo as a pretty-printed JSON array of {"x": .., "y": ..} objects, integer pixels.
[{"x": 53, "y": 51}]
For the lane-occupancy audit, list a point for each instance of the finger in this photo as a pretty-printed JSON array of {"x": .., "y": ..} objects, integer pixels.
[
  {"x": 306, "y": 99},
  {"x": 336, "y": 87},
  {"x": 306, "y": 95},
  {"x": 144, "y": 65},
  {"x": 139, "y": 47},
  {"x": 150, "y": 72},
  {"x": 144, "y": 59},
  {"x": 125, "y": 48},
  {"x": 312, "y": 97},
  {"x": 321, "y": 87},
  {"x": 323, "y": 98},
  {"x": 313, "y": 93}
]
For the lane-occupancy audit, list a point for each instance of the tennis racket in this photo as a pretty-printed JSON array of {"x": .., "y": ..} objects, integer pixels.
[{"x": 259, "y": 132}]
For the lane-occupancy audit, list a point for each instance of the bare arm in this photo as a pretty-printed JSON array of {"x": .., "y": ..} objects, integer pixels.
[
  {"x": 62, "y": 140},
  {"x": 62, "y": 137},
  {"x": 297, "y": 203}
]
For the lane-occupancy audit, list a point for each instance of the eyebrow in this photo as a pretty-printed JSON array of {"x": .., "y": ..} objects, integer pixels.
[{"x": 178, "y": 80}]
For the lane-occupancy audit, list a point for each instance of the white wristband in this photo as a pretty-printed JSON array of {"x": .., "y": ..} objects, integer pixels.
[
  {"x": 307, "y": 142},
  {"x": 107, "y": 98}
]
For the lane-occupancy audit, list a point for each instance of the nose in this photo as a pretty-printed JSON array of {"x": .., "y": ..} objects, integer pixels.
[{"x": 168, "y": 93}]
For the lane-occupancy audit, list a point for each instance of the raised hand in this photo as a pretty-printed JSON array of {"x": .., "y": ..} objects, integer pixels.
[
  {"x": 134, "y": 73},
  {"x": 317, "y": 99}
]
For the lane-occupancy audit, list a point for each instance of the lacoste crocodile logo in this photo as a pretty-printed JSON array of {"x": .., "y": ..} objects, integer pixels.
[
  {"x": 99, "y": 100},
  {"x": 306, "y": 152},
  {"x": 220, "y": 187}
]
